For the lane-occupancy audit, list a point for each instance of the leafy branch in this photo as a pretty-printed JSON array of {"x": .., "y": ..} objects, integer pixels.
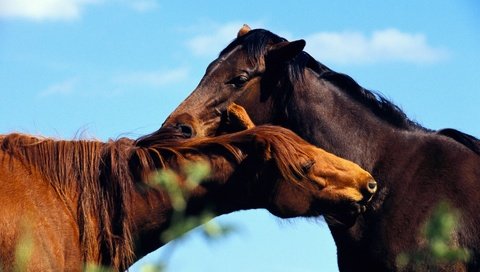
[
  {"x": 179, "y": 187},
  {"x": 440, "y": 248}
]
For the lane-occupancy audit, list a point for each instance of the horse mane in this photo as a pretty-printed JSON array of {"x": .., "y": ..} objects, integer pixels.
[
  {"x": 235, "y": 146},
  {"x": 100, "y": 174},
  {"x": 376, "y": 102},
  {"x": 466, "y": 139},
  {"x": 373, "y": 100}
]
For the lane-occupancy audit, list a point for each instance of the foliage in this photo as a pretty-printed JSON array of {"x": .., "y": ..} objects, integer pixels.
[
  {"x": 24, "y": 248},
  {"x": 439, "y": 248},
  {"x": 179, "y": 187},
  {"x": 97, "y": 268}
]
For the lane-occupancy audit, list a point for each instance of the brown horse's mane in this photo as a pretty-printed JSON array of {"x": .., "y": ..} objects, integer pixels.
[
  {"x": 235, "y": 147},
  {"x": 102, "y": 175}
]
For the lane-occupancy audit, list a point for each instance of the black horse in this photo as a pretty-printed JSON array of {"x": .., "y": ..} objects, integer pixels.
[{"x": 416, "y": 168}]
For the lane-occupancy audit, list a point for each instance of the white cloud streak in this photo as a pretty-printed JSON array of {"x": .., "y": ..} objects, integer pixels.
[
  {"x": 213, "y": 41},
  {"x": 65, "y": 87},
  {"x": 389, "y": 45},
  {"x": 352, "y": 48},
  {"x": 62, "y": 10},
  {"x": 39, "y": 10},
  {"x": 120, "y": 83}
]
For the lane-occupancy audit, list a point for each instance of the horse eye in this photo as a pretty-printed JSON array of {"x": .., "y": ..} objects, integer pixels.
[{"x": 238, "y": 81}]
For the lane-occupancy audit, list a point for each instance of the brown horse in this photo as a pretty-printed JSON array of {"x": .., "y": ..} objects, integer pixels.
[
  {"x": 75, "y": 203},
  {"x": 415, "y": 167}
]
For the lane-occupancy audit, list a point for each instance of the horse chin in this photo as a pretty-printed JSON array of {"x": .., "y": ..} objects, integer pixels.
[{"x": 344, "y": 217}]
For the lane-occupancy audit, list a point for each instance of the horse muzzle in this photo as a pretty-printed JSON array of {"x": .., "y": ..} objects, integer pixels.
[
  {"x": 184, "y": 123},
  {"x": 369, "y": 190}
]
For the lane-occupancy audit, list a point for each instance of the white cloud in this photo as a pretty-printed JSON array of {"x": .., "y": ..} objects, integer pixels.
[
  {"x": 40, "y": 10},
  {"x": 215, "y": 37},
  {"x": 153, "y": 78},
  {"x": 61, "y": 88},
  {"x": 212, "y": 43},
  {"x": 389, "y": 45},
  {"x": 89, "y": 85},
  {"x": 43, "y": 9}
]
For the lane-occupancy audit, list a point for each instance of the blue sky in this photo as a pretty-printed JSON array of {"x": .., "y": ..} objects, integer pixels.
[{"x": 109, "y": 68}]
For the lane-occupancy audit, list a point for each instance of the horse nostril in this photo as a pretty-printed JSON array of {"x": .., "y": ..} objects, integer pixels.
[
  {"x": 186, "y": 130},
  {"x": 372, "y": 186}
]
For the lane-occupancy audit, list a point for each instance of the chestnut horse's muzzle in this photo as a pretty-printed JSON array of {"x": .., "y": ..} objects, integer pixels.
[
  {"x": 186, "y": 130},
  {"x": 184, "y": 123}
]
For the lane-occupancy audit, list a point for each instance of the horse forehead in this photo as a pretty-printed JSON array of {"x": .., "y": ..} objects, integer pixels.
[{"x": 218, "y": 64}]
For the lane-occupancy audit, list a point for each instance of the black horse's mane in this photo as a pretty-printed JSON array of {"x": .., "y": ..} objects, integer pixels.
[
  {"x": 256, "y": 44},
  {"x": 466, "y": 139},
  {"x": 374, "y": 101}
]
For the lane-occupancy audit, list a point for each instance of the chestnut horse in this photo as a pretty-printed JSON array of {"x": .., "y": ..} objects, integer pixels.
[
  {"x": 84, "y": 202},
  {"x": 416, "y": 168}
]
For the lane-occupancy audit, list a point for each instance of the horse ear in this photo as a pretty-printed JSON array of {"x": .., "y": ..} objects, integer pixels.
[
  {"x": 244, "y": 30},
  {"x": 285, "y": 51}
]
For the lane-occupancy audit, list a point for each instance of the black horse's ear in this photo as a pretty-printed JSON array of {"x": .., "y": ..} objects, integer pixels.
[
  {"x": 244, "y": 30},
  {"x": 285, "y": 51}
]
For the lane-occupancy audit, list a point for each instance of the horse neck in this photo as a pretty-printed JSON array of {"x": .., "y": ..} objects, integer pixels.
[
  {"x": 152, "y": 215},
  {"x": 230, "y": 188}
]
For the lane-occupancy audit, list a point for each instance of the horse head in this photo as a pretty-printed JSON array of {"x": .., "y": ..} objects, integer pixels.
[
  {"x": 236, "y": 76},
  {"x": 324, "y": 184}
]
